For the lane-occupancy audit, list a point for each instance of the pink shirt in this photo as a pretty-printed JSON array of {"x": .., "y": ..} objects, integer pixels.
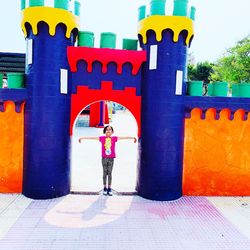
[{"x": 108, "y": 146}]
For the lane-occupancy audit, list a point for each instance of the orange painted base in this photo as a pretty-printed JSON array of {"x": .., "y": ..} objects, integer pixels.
[
  {"x": 11, "y": 149},
  {"x": 217, "y": 155}
]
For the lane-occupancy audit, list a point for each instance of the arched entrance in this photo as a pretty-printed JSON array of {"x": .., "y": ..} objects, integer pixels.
[{"x": 86, "y": 157}]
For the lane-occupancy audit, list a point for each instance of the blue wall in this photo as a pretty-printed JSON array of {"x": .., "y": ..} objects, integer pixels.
[
  {"x": 160, "y": 167},
  {"x": 47, "y": 117},
  {"x": 93, "y": 79}
]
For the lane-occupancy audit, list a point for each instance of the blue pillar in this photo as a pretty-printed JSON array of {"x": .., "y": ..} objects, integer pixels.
[
  {"x": 47, "y": 116},
  {"x": 102, "y": 114},
  {"x": 161, "y": 149}
]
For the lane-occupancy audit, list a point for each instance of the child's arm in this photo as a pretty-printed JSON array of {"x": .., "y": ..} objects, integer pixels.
[
  {"x": 88, "y": 138},
  {"x": 127, "y": 138}
]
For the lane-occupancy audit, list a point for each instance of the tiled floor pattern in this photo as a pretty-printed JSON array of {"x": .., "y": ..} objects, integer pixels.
[
  {"x": 122, "y": 222},
  {"x": 236, "y": 210},
  {"x": 11, "y": 207}
]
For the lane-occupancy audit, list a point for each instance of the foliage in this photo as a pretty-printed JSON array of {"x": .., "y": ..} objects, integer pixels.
[
  {"x": 234, "y": 66},
  {"x": 200, "y": 72}
]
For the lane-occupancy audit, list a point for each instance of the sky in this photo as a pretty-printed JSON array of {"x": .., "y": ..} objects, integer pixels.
[{"x": 219, "y": 23}]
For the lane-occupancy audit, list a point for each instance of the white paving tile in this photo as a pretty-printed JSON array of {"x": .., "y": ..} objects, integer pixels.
[
  {"x": 6, "y": 200},
  {"x": 12, "y": 206},
  {"x": 236, "y": 210}
]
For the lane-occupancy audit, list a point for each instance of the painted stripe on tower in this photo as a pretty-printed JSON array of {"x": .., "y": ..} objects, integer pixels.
[
  {"x": 64, "y": 81},
  {"x": 153, "y": 57},
  {"x": 179, "y": 80},
  {"x": 29, "y": 51}
]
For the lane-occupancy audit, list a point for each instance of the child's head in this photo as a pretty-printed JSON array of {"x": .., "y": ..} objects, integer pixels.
[{"x": 108, "y": 130}]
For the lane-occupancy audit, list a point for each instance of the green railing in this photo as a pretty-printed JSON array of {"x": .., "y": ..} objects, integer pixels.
[
  {"x": 241, "y": 89},
  {"x": 108, "y": 40},
  {"x": 86, "y": 38},
  {"x": 141, "y": 12},
  {"x": 15, "y": 80},
  {"x": 195, "y": 88},
  {"x": 129, "y": 44},
  {"x": 157, "y": 7},
  {"x": 60, "y": 4},
  {"x": 218, "y": 89},
  {"x": 180, "y": 8}
]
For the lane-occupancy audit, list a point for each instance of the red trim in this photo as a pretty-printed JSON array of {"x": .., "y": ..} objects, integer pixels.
[
  {"x": 105, "y": 56},
  {"x": 106, "y": 113},
  {"x": 86, "y": 96},
  {"x": 94, "y": 114}
]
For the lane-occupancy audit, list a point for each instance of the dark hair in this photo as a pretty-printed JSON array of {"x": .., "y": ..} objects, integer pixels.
[{"x": 105, "y": 128}]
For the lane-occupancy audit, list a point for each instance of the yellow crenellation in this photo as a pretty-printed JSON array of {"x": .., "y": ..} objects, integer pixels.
[
  {"x": 159, "y": 23},
  {"x": 51, "y": 16}
]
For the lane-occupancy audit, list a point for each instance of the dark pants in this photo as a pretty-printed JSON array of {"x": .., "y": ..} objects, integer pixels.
[{"x": 107, "y": 164}]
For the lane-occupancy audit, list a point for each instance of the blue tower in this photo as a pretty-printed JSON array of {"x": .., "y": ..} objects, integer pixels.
[
  {"x": 165, "y": 38},
  {"x": 48, "y": 32}
]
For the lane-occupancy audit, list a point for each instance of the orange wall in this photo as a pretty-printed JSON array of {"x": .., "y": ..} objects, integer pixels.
[
  {"x": 217, "y": 154},
  {"x": 11, "y": 149}
]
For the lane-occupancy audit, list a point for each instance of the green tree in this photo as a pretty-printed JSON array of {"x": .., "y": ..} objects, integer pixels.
[
  {"x": 191, "y": 72},
  {"x": 234, "y": 66},
  {"x": 200, "y": 72}
]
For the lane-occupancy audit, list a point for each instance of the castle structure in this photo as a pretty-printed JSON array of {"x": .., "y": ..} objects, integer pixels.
[{"x": 192, "y": 145}]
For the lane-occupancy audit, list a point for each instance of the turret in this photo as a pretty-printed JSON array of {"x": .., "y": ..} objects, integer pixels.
[
  {"x": 48, "y": 30},
  {"x": 165, "y": 39}
]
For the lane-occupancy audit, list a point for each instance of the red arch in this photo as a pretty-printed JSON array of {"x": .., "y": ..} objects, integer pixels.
[{"x": 85, "y": 96}]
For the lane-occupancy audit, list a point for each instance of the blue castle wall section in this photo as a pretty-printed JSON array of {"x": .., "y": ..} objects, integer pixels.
[
  {"x": 219, "y": 103},
  {"x": 18, "y": 96},
  {"x": 160, "y": 170},
  {"x": 93, "y": 79},
  {"x": 47, "y": 117}
]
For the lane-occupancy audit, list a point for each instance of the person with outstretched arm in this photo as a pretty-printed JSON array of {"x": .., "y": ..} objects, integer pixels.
[{"x": 108, "y": 154}]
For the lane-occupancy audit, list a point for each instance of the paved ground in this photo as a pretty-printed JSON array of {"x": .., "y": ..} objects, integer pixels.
[{"x": 124, "y": 222}]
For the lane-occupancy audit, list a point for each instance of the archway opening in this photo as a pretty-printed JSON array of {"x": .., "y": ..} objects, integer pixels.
[{"x": 86, "y": 167}]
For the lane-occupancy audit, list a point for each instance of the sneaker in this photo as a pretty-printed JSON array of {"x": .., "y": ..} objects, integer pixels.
[
  {"x": 105, "y": 191},
  {"x": 110, "y": 192}
]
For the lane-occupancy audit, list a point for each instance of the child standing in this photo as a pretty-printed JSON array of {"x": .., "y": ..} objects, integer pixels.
[{"x": 108, "y": 154}]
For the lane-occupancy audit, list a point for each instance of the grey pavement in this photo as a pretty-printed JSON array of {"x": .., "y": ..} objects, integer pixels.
[{"x": 124, "y": 222}]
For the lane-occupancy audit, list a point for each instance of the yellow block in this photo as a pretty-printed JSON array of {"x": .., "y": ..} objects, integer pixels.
[
  {"x": 51, "y": 16},
  {"x": 159, "y": 23}
]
